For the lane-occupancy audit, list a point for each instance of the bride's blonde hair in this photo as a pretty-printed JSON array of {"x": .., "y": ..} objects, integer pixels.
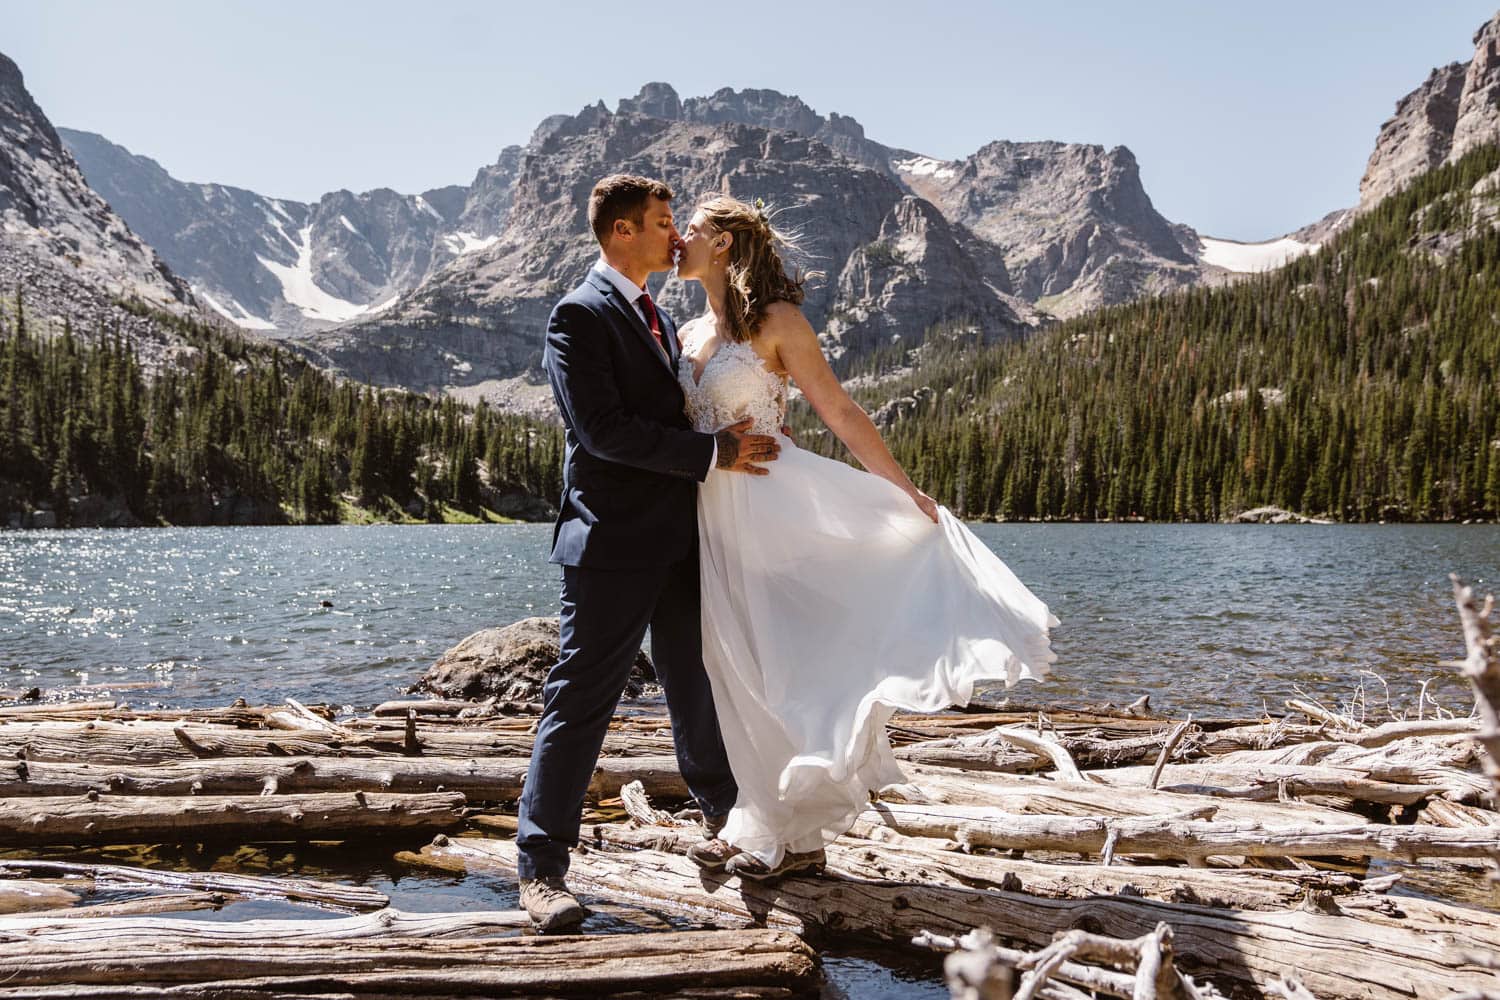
[{"x": 757, "y": 275}]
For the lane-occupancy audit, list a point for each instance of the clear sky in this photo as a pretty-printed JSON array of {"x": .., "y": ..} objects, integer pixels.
[{"x": 1248, "y": 119}]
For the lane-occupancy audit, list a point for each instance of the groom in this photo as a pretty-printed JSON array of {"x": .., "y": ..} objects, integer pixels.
[{"x": 626, "y": 536}]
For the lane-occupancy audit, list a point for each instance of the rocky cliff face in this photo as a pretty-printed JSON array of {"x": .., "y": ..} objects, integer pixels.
[
  {"x": 70, "y": 255},
  {"x": 1076, "y": 227},
  {"x": 1454, "y": 110},
  {"x": 894, "y": 267},
  {"x": 282, "y": 266},
  {"x": 1418, "y": 137}
]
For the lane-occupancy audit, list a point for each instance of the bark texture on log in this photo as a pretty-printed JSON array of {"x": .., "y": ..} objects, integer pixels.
[{"x": 145, "y": 819}]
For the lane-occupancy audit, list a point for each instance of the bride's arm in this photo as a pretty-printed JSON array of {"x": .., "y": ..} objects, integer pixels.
[{"x": 802, "y": 358}]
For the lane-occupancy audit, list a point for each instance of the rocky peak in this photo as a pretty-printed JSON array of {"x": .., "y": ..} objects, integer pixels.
[
  {"x": 1060, "y": 213},
  {"x": 1417, "y": 137},
  {"x": 50, "y": 216},
  {"x": 1455, "y": 109},
  {"x": 1479, "y": 106},
  {"x": 658, "y": 100}
]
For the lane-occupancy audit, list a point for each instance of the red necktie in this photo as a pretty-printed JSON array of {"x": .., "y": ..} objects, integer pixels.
[{"x": 649, "y": 308}]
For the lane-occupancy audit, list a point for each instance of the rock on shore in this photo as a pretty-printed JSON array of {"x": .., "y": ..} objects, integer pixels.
[{"x": 510, "y": 664}]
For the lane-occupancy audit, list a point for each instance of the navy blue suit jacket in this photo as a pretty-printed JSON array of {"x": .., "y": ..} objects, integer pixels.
[{"x": 633, "y": 463}]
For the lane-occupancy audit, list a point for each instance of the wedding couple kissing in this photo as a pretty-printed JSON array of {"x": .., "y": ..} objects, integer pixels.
[{"x": 794, "y": 602}]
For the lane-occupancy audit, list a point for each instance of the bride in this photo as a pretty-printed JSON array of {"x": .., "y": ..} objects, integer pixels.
[{"x": 831, "y": 597}]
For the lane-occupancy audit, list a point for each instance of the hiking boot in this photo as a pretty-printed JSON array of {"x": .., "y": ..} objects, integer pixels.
[
  {"x": 792, "y": 863},
  {"x": 712, "y": 853},
  {"x": 549, "y": 904}
]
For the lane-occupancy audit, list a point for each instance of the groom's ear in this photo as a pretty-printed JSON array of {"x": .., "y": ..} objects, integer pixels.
[{"x": 624, "y": 229}]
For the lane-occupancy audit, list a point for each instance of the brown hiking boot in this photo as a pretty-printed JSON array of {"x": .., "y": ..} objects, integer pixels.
[
  {"x": 712, "y": 853},
  {"x": 549, "y": 904},
  {"x": 753, "y": 868}
]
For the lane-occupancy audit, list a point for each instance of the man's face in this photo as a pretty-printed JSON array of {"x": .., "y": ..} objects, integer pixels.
[{"x": 657, "y": 241}]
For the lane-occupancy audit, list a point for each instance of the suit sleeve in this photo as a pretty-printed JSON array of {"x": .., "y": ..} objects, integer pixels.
[{"x": 577, "y": 360}]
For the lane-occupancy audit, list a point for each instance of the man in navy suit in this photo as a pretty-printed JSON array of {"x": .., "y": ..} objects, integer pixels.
[{"x": 626, "y": 536}]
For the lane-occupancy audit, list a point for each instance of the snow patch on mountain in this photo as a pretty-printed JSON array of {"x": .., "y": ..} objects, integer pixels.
[
  {"x": 1252, "y": 257},
  {"x": 926, "y": 166},
  {"x": 299, "y": 288},
  {"x": 350, "y": 226},
  {"x": 239, "y": 316},
  {"x": 462, "y": 243}
]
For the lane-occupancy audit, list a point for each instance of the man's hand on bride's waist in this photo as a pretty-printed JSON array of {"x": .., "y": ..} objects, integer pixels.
[{"x": 740, "y": 450}]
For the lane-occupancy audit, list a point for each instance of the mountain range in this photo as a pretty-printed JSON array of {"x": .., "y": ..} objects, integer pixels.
[{"x": 444, "y": 291}]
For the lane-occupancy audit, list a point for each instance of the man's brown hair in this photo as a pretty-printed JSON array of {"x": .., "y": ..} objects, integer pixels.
[{"x": 622, "y": 196}]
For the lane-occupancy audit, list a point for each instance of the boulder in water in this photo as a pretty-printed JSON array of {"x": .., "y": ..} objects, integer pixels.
[{"x": 510, "y": 664}]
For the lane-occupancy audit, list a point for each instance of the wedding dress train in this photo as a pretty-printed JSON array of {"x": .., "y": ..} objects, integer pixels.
[{"x": 829, "y": 602}]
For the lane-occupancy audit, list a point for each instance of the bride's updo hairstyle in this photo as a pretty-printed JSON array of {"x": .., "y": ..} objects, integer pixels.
[{"x": 757, "y": 276}]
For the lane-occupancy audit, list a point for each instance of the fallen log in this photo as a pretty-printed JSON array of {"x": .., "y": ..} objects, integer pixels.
[
  {"x": 657, "y": 963},
  {"x": 1446, "y": 761},
  {"x": 294, "y": 890},
  {"x": 1272, "y": 782},
  {"x": 22, "y": 895},
  {"x": 1370, "y": 957},
  {"x": 912, "y": 862},
  {"x": 480, "y": 779},
  {"x": 386, "y": 922},
  {"x": 1175, "y": 837},
  {"x": 161, "y": 742},
  {"x": 1025, "y": 794},
  {"x": 141, "y": 819},
  {"x": 165, "y": 902}
]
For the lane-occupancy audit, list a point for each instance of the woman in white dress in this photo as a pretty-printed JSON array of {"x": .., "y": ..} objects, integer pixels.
[{"x": 831, "y": 597}]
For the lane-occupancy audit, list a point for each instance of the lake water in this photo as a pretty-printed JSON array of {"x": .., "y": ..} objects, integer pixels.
[{"x": 1204, "y": 618}]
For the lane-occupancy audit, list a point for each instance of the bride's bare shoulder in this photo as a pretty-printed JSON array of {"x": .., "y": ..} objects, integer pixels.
[{"x": 784, "y": 320}]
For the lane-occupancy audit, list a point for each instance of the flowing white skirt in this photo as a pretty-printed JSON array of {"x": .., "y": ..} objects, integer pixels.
[{"x": 829, "y": 602}]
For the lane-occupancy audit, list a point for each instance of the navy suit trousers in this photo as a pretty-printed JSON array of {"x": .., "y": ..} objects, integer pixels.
[{"x": 605, "y": 614}]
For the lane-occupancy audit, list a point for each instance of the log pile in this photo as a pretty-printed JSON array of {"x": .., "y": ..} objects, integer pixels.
[{"x": 1104, "y": 851}]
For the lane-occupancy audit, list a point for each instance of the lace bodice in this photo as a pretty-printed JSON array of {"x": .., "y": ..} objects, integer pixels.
[{"x": 735, "y": 385}]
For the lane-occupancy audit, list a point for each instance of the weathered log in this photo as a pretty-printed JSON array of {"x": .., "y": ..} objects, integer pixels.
[
  {"x": 1181, "y": 838},
  {"x": 138, "y": 819},
  {"x": 1373, "y": 957},
  {"x": 165, "y": 902},
  {"x": 382, "y": 923},
  {"x": 22, "y": 895},
  {"x": 914, "y": 862},
  {"x": 1481, "y": 665},
  {"x": 480, "y": 779},
  {"x": 1439, "y": 760},
  {"x": 537, "y": 966},
  {"x": 1271, "y": 782},
  {"x": 296, "y": 890},
  {"x": 160, "y": 742},
  {"x": 1026, "y": 794}
]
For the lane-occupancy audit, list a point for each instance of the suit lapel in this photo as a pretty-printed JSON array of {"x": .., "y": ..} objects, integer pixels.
[{"x": 632, "y": 317}]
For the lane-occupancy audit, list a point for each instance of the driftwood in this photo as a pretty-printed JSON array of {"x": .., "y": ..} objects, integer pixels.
[
  {"x": 1180, "y": 837},
  {"x": 918, "y": 862},
  {"x": 1482, "y": 668},
  {"x": 387, "y": 922},
  {"x": 22, "y": 895},
  {"x": 297, "y": 890},
  {"x": 660, "y": 963},
  {"x": 1025, "y": 794},
  {"x": 1378, "y": 958},
  {"x": 148, "y": 819},
  {"x": 1274, "y": 782},
  {"x": 162, "y": 742},
  {"x": 480, "y": 779}
]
